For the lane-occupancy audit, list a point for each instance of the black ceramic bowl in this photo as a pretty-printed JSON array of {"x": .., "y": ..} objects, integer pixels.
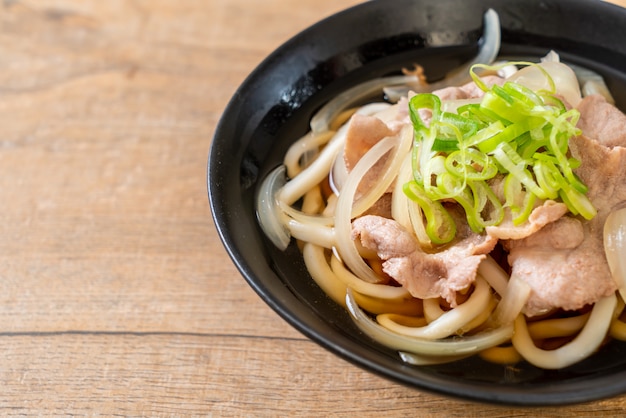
[{"x": 275, "y": 103}]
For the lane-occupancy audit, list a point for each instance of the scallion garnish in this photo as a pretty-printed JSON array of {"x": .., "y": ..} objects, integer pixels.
[{"x": 514, "y": 131}]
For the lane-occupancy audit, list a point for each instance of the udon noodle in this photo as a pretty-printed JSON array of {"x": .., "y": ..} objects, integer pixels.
[{"x": 325, "y": 198}]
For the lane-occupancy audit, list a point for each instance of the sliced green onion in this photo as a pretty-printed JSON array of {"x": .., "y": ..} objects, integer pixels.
[
  {"x": 514, "y": 131},
  {"x": 471, "y": 164},
  {"x": 513, "y": 163},
  {"x": 440, "y": 226},
  {"x": 519, "y": 201},
  {"x": 545, "y": 175},
  {"x": 579, "y": 202}
]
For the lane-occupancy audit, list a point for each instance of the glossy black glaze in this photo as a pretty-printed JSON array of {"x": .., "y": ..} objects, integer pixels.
[{"x": 273, "y": 107}]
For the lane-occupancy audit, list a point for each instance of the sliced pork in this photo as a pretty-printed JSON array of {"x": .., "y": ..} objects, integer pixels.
[
  {"x": 424, "y": 275},
  {"x": 548, "y": 211},
  {"x": 363, "y": 133},
  {"x": 560, "y": 256},
  {"x": 564, "y": 262},
  {"x": 469, "y": 90},
  {"x": 602, "y": 121}
]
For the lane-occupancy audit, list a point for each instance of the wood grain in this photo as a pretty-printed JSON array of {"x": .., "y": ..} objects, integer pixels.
[{"x": 116, "y": 296}]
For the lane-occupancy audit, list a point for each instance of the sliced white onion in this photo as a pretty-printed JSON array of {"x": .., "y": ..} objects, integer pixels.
[
  {"x": 615, "y": 247},
  {"x": 347, "y": 209},
  {"x": 449, "y": 347},
  {"x": 590, "y": 87},
  {"x": 513, "y": 301},
  {"x": 489, "y": 47},
  {"x": 379, "y": 291},
  {"x": 421, "y": 360},
  {"x": 551, "y": 56},
  {"x": 339, "y": 171},
  {"x": 495, "y": 275},
  {"x": 399, "y": 207},
  {"x": 563, "y": 76},
  {"x": 404, "y": 210},
  {"x": 322, "y": 119},
  {"x": 268, "y": 211},
  {"x": 344, "y": 211},
  {"x": 338, "y": 174},
  {"x": 592, "y": 83},
  {"x": 404, "y": 141}
]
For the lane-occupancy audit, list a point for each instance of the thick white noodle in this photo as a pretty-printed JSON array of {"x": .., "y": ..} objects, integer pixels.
[
  {"x": 432, "y": 309},
  {"x": 305, "y": 218},
  {"x": 450, "y": 321},
  {"x": 314, "y": 173},
  {"x": 379, "y": 291},
  {"x": 309, "y": 143},
  {"x": 557, "y": 327},
  {"x": 581, "y": 347},
  {"x": 323, "y": 236},
  {"x": 316, "y": 264},
  {"x": 453, "y": 347}
]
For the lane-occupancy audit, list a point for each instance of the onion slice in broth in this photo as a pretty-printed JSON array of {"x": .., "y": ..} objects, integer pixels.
[{"x": 615, "y": 247}]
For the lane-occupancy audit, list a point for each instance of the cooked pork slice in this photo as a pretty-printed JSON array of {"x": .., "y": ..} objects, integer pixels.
[
  {"x": 469, "y": 90},
  {"x": 564, "y": 262},
  {"x": 464, "y": 92},
  {"x": 603, "y": 170},
  {"x": 548, "y": 211},
  {"x": 362, "y": 134},
  {"x": 564, "y": 265},
  {"x": 424, "y": 275},
  {"x": 602, "y": 121}
]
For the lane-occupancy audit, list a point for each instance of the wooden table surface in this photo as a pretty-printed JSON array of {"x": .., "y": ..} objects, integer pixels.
[{"x": 116, "y": 295}]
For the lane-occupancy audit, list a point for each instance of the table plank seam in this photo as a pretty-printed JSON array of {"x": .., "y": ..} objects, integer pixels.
[{"x": 146, "y": 333}]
